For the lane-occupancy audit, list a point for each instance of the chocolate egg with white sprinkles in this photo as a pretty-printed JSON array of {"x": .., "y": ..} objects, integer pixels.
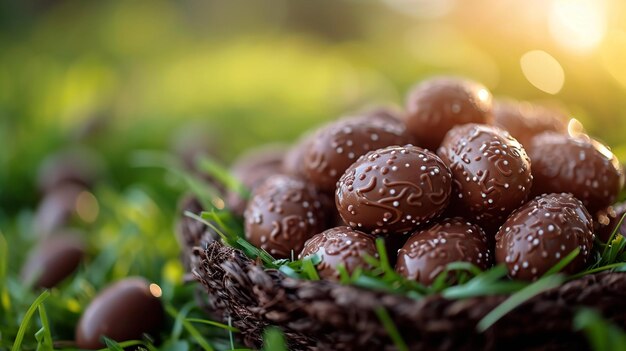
[
  {"x": 428, "y": 252},
  {"x": 491, "y": 171},
  {"x": 393, "y": 190},
  {"x": 541, "y": 233},
  {"x": 340, "y": 246},
  {"x": 437, "y": 105},
  {"x": 283, "y": 213},
  {"x": 577, "y": 165},
  {"x": 337, "y": 145}
]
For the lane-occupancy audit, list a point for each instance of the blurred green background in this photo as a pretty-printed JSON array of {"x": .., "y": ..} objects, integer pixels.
[{"x": 127, "y": 75}]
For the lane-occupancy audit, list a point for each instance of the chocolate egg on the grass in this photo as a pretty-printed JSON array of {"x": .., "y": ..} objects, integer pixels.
[
  {"x": 577, "y": 165},
  {"x": 428, "y": 252},
  {"x": 123, "y": 311},
  {"x": 337, "y": 145},
  {"x": 340, "y": 246},
  {"x": 491, "y": 171},
  {"x": 437, "y": 105},
  {"x": 283, "y": 213},
  {"x": 54, "y": 259},
  {"x": 393, "y": 190},
  {"x": 541, "y": 233}
]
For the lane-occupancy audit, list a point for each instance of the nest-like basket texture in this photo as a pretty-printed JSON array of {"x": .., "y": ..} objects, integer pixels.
[{"x": 323, "y": 315}]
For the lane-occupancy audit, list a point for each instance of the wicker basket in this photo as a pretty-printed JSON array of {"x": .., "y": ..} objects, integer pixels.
[{"x": 322, "y": 315}]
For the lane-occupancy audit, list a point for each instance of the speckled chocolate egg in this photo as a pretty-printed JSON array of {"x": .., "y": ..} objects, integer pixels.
[
  {"x": 337, "y": 145},
  {"x": 428, "y": 252},
  {"x": 580, "y": 166},
  {"x": 293, "y": 162},
  {"x": 541, "y": 233},
  {"x": 525, "y": 120},
  {"x": 283, "y": 213},
  {"x": 340, "y": 246},
  {"x": 123, "y": 311},
  {"x": 437, "y": 105},
  {"x": 606, "y": 221},
  {"x": 490, "y": 169},
  {"x": 393, "y": 190},
  {"x": 253, "y": 168},
  {"x": 54, "y": 259}
]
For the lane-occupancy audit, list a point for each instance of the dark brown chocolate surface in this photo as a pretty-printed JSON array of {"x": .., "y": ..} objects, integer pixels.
[
  {"x": 53, "y": 260},
  {"x": 393, "y": 190},
  {"x": 437, "y": 105},
  {"x": 427, "y": 252},
  {"x": 253, "y": 168},
  {"x": 491, "y": 172},
  {"x": 580, "y": 166},
  {"x": 340, "y": 246},
  {"x": 123, "y": 311},
  {"x": 283, "y": 213},
  {"x": 293, "y": 162},
  {"x": 541, "y": 233},
  {"x": 525, "y": 120},
  {"x": 337, "y": 145},
  {"x": 57, "y": 208}
]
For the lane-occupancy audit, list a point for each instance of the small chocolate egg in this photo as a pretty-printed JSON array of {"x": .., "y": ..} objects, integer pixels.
[
  {"x": 76, "y": 165},
  {"x": 340, "y": 246},
  {"x": 253, "y": 168},
  {"x": 393, "y": 190},
  {"x": 607, "y": 221},
  {"x": 54, "y": 259},
  {"x": 337, "y": 145},
  {"x": 437, "y": 105},
  {"x": 293, "y": 163},
  {"x": 283, "y": 214},
  {"x": 123, "y": 311},
  {"x": 428, "y": 252},
  {"x": 525, "y": 120},
  {"x": 490, "y": 169},
  {"x": 541, "y": 233},
  {"x": 57, "y": 208},
  {"x": 577, "y": 165}
]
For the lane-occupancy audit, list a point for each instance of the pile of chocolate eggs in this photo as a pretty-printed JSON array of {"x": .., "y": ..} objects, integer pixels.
[{"x": 456, "y": 177}]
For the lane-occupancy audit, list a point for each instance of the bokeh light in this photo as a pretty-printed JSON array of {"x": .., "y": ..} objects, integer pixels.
[
  {"x": 543, "y": 71},
  {"x": 578, "y": 25}
]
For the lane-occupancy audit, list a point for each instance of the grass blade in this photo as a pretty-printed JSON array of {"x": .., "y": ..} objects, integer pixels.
[
  {"x": 45, "y": 324},
  {"x": 204, "y": 344},
  {"x": 563, "y": 262},
  {"x": 17, "y": 345},
  {"x": 212, "y": 323},
  {"x": 274, "y": 340},
  {"x": 391, "y": 329},
  {"x": 536, "y": 288}
]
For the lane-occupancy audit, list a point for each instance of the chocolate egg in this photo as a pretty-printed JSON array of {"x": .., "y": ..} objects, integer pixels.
[
  {"x": 293, "y": 163},
  {"x": 428, "y": 252},
  {"x": 525, "y": 120},
  {"x": 541, "y": 233},
  {"x": 57, "y": 208},
  {"x": 282, "y": 215},
  {"x": 252, "y": 169},
  {"x": 490, "y": 169},
  {"x": 607, "y": 221},
  {"x": 76, "y": 165},
  {"x": 340, "y": 246},
  {"x": 576, "y": 165},
  {"x": 393, "y": 190},
  {"x": 53, "y": 260},
  {"x": 337, "y": 145},
  {"x": 123, "y": 311},
  {"x": 437, "y": 105}
]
